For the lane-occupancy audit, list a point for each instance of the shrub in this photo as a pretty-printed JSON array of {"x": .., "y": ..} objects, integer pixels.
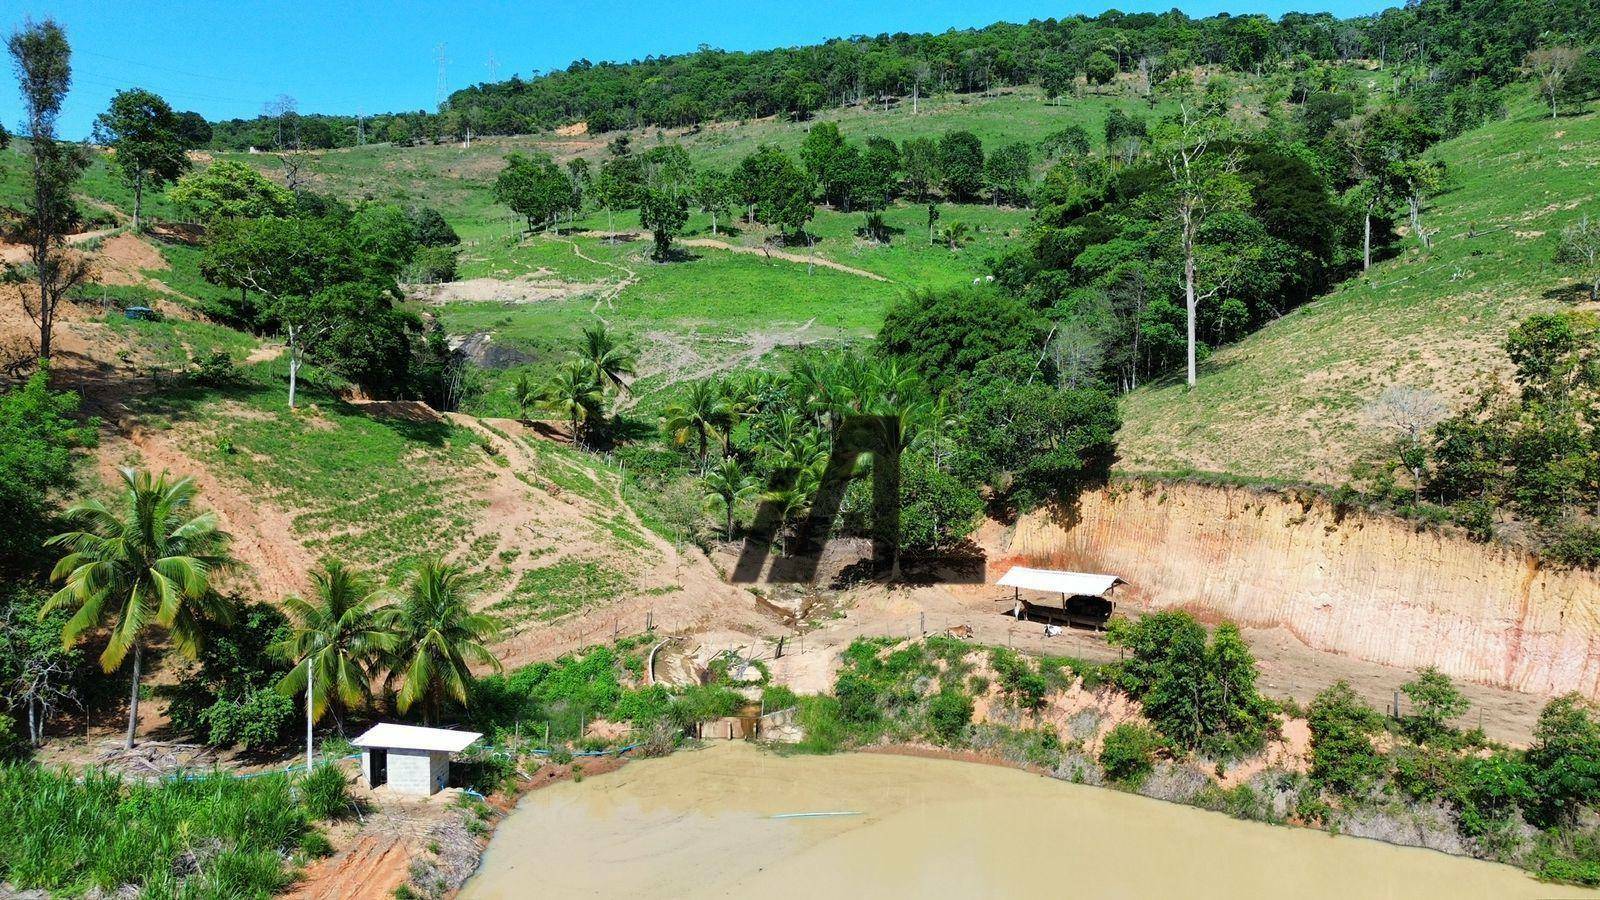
[
  {"x": 1194, "y": 694},
  {"x": 433, "y": 265},
  {"x": 325, "y": 792},
  {"x": 1129, "y": 753},
  {"x": 1342, "y": 757},
  {"x": 858, "y": 698},
  {"x": 260, "y": 719},
  {"x": 1571, "y": 857},
  {"x": 949, "y": 713},
  {"x": 775, "y": 697},
  {"x": 1018, "y": 678},
  {"x": 1563, "y": 765},
  {"x": 216, "y": 369},
  {"x": 1489, "y": 791},
  {"x": 1425, "y": 774},
  {"x": 1577, "y": 546},
  {"x": 1434, "y": 702}
]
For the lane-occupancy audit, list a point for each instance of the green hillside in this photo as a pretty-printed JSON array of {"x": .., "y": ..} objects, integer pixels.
[{"x": 1291, "y": 401}]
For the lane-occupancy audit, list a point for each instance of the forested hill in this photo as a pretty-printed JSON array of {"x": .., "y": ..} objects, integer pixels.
[{"x": 1456, "y": 53}]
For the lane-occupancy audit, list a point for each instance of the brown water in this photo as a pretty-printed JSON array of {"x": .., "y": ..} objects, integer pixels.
[{"x": 700, "y": 824}]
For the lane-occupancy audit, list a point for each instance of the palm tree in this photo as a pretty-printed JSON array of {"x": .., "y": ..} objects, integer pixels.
[
  {"x": 698, "y": 417},
  {"x": 151, "y": 566},
  {"x": 727, "y": 486},
  {"x": 894, "y": 424},
  {"x": 793, "y": 502},
  {"x": 607, "y": 362},
  {"x": 526, "y": 393},
  {"x": 954, "y": 234},
  {"x": 574, "y": 395},
  {"x": 338, "y": 636},
  {"x": 437, "y": 633}
]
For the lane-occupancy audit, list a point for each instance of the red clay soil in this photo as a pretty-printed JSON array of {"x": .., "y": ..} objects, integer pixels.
[{"x": 378, "y": 858}]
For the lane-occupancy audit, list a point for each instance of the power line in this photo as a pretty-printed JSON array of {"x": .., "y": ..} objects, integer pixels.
[{"x": 169, "y": 69}]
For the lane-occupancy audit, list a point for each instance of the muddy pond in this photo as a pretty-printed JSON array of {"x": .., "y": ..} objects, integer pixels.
[{"x": 734, "y": 820}]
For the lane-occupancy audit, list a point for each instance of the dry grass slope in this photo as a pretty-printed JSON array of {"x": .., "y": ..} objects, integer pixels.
[{"x": 1291, "y": 401}]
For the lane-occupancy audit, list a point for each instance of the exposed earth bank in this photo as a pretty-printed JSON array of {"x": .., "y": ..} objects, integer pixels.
[{"x": 1372, "y": 587}]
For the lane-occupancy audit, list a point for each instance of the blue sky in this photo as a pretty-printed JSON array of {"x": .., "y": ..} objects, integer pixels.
[{"x": 227, "y": 57}]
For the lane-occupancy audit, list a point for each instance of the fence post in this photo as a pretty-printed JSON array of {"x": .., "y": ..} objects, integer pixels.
[
  {"x": 778, "y": 654},
  {"x": 922, "y": 622},
  {"x": 650, "y": 620}
]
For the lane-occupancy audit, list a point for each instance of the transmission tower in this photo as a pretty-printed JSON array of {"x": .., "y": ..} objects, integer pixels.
[
  {"x": 440, "y": 91},
  {"x": 494, "y": 68},
  {"x": 361, "y": 126}
]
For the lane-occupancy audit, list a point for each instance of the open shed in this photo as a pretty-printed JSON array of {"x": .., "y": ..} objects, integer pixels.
[
  {"x": 1087, "y": 599},
  {"x": 411, "y": 760}
]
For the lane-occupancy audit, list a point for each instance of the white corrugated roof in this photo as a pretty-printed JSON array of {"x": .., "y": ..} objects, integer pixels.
[
  {"x": 1058, "y": 582},
  {"x": 411, "y": 737}
]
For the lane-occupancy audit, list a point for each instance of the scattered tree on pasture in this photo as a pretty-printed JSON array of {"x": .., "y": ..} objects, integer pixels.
[
  {"x": 1580, "y": 250},
  {"x": 664, "y": 214},
  {"x": 960, "y": 165},
  {"x": 230, "y": 189},
  {"x": 43, "y": 62},
  {"x": 142, "y": 131}
]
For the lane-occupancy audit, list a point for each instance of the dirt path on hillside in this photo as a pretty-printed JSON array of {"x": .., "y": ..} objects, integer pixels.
[
  {"x": 764, "y": 250},
  {"x": 769, "y": 253},
  {"x": 609, "y": 296},
  {"x": 271, "y": 558},
  {"x": 675, "y": 589}
]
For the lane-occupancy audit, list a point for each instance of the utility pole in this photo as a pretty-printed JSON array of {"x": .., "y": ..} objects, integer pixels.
[{"x": 310, "y": 705}]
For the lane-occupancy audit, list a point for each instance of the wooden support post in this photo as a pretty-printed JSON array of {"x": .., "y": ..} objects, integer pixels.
[
  {"x": 650, "y": 620},
  {"x": 778, "y": 654},
  {"x": 922, "y": 621},
  {"x": 1397, "y": 704}
]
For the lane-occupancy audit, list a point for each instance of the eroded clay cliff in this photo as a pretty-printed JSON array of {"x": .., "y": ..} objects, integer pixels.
[{"x": 1374, "y": 587}]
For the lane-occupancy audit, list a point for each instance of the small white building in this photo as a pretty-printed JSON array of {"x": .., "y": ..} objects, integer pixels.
[{"x": 411, "y": 760}]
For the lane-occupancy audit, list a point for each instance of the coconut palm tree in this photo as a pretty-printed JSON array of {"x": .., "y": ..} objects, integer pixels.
[
  {"x": 606, "y": 360},
  {"x": 727, "y": 486},
  {"x": 700, "y": 416},
  {"x": 893, "y": 424},
  {"x": 337, "y": 639},
  {"x": 574, "y": 395},
  {"x": 526, "y": 393},
  {"x": 148, "y": 567},
  {"x": 793, "y": 502},
  {"x": 437, "y": 637}
]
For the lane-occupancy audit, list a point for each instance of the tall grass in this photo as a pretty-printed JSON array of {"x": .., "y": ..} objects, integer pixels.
[{"x": 213, "y": 836}]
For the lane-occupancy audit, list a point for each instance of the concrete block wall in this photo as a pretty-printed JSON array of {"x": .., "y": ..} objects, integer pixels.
[{"x": 420, "y": 772}]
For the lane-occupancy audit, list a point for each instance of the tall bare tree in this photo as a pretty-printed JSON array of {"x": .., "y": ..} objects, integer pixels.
[
  {"x": 1552, "y": 66},
  {"x": 1409, "y": 412},
  {"x": 1202, "y": 184},
  {"x": 43, "y": 63}
]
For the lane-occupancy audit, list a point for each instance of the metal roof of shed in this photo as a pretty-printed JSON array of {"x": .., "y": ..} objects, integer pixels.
[
  {"x": 410, "y": 737},
  {"x": 1057, "y": 582}
]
